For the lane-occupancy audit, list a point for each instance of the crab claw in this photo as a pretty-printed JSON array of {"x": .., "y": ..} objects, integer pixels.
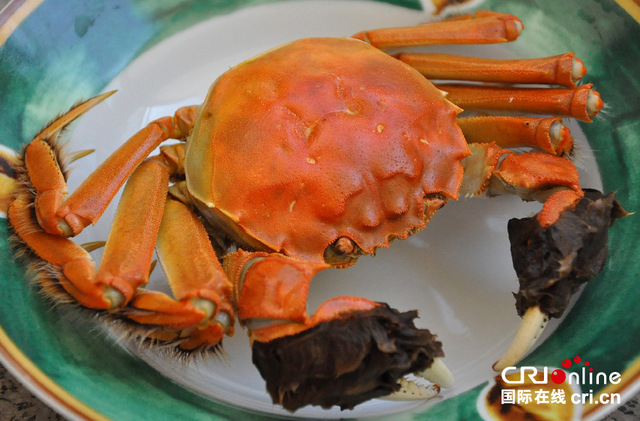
[
  {"x": 554, "y": 253},
  {"x": 438, "y": 374},
  {"x": 411, "y": 391},
  {"x": 351, "y": 350},
  {"x": 351, "y": 358},
  {"x": 533, "y": 324}
]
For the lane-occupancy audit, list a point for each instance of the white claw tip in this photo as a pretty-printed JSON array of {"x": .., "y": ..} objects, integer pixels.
[
  {"x": 411, "y": 391},
  {"x": 533, "y": 324},
  {"x": 439, "y": 374}
]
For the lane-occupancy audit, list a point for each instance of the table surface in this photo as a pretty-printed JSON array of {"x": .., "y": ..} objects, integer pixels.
[{"x": 17, "y": 403}]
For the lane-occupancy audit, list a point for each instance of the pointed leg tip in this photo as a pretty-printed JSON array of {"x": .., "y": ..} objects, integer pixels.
[
  {"x": 107, "y": 94},
  {"x": 74, "y": 156},
  {"x": 91, "y": 102},
  {"x": 93, "y": 245}
]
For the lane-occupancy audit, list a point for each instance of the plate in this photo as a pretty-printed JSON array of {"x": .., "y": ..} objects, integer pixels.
[{"x": 457, "y": 272}]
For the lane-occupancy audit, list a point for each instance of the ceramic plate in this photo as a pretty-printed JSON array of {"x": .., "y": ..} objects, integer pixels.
[{"x": 160, "y": 55}]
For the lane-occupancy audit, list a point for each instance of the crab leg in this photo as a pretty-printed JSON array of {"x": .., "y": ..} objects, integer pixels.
[
  {"x": 67, "y": 216},
  {"x": 128, "y": 252},
  {"x": 482, "y": 172},
  {"x": 491, "y": 170},
  {"x": 201, "y": 312},
  {"x": 469, "y": 16},
  {"x": 485, "y": 28},
  {"x": 326, "y": 359},
  {"x": 123, "y": 269},
  {"x": 127, "y": 257},
  {"x": 547, "y": 134},
  {"x": 562, "y": 70},
  {"x": 582, "y": 103},
  {"x": 63, "y": 259},
  {"x": 557, "y": 250}
]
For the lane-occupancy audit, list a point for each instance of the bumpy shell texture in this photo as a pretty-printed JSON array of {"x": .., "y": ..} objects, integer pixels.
[{"x": 323, "y": 138}]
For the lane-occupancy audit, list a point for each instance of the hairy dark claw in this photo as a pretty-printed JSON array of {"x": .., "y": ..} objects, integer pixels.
[
  {"x": 345, "y": 361},
  {"x": 552, "y": 263}
]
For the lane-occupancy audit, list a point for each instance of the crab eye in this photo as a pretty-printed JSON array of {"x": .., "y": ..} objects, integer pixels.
[
  {"x": 342, "y": 253},
  {"x": 344, "y": 245}
]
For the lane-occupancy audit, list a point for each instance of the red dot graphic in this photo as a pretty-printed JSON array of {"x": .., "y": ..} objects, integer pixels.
[
  {"x": 590, "y": 368},
  {"x": 558, "y": 376},
  {"x": 586, "y": 363},
  {"x": 566, "y": 363},
  {"x": 577, "y": 359}
]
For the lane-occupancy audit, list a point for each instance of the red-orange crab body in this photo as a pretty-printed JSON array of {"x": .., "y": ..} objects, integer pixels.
[{"x": 321, "y": 139}]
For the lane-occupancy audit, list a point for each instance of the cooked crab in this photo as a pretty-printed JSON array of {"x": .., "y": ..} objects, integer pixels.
[{"x": 305, "y": 158}]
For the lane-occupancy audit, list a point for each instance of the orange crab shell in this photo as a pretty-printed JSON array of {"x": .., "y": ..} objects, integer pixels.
[{"x": 323, "y": 138}]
